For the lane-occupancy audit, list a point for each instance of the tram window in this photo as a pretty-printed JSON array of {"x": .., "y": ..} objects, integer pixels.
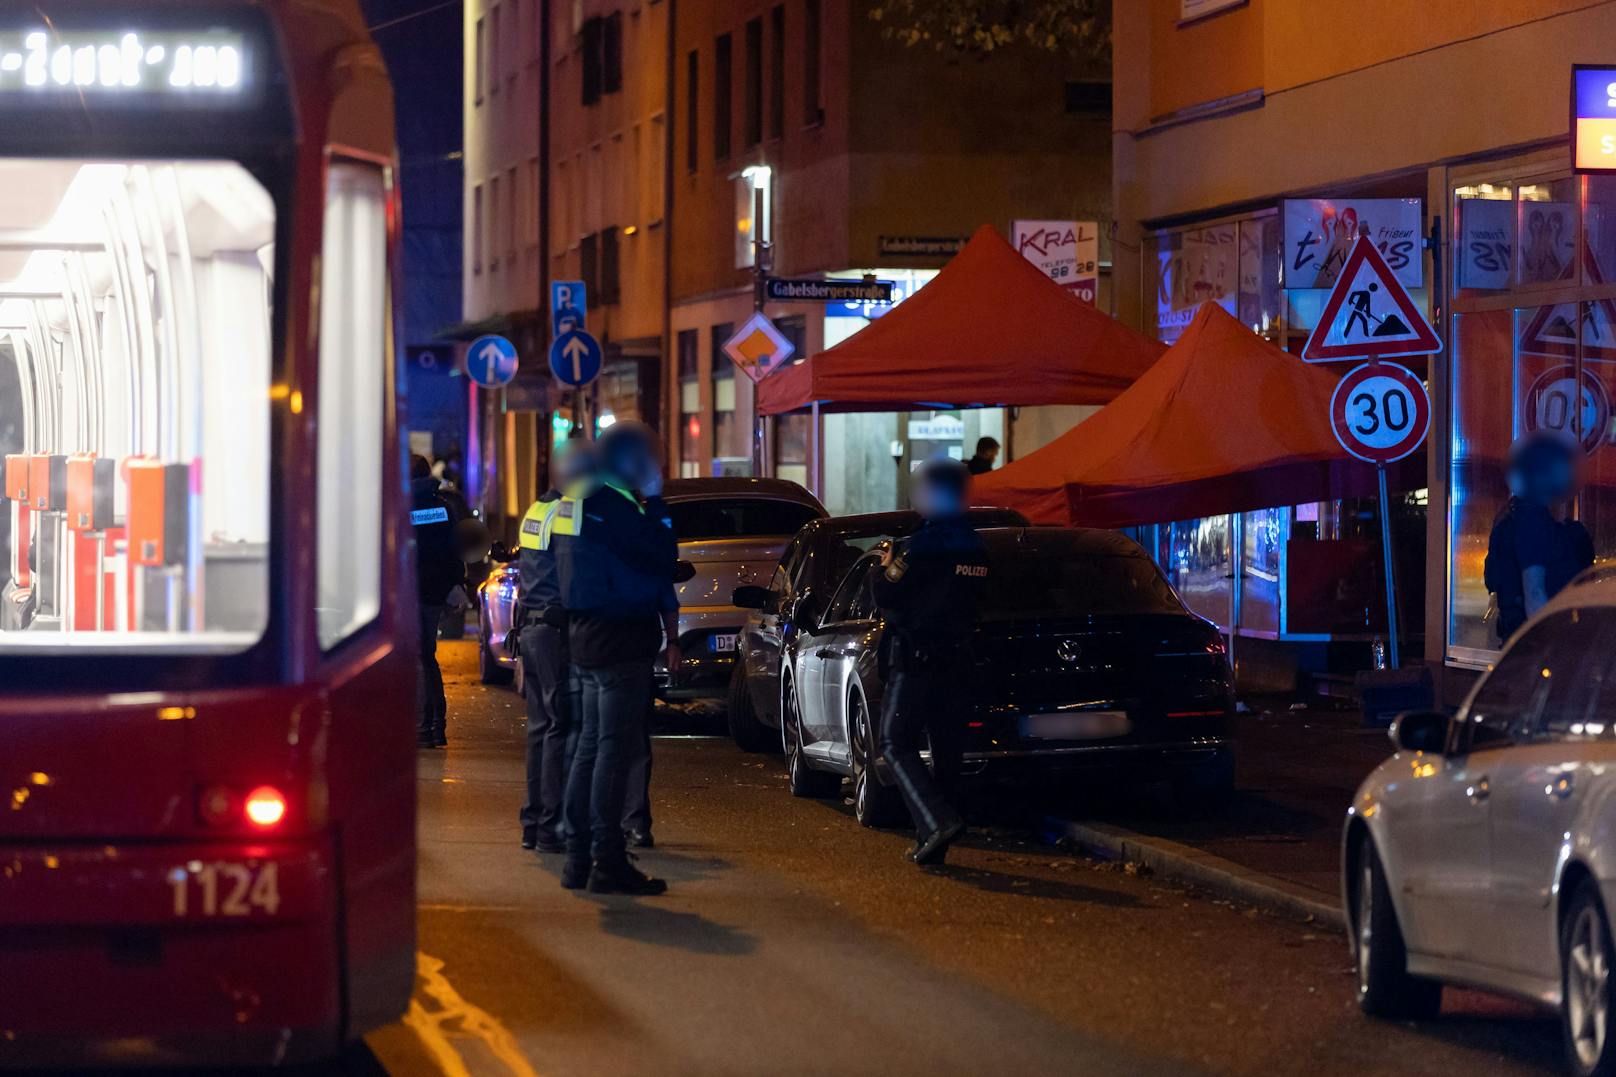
[
  {"x": 353, "y": 386},
  {"x": 136, "y": 322}
]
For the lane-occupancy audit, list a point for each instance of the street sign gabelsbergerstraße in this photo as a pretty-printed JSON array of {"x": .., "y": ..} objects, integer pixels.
[{"x": 785, "y": 290}]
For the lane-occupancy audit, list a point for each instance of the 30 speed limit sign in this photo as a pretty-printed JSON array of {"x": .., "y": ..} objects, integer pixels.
[{"x": 1380, "y": 412}]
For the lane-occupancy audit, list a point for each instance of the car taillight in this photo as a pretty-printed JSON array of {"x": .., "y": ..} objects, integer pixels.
[
  {"x": 264, "y": 807},
  {"x": 1217, "y": 646}
]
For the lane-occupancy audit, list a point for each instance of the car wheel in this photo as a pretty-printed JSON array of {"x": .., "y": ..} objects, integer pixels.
[
  {"x": 1585, "y": 965},
  {"x": 749, "y": 733},
  {"x": 874, "y": 804},
  {"x": 805, "y": 780},
  {"x": 489, "y": 671},
  {"x": 1385, "y": 989}
]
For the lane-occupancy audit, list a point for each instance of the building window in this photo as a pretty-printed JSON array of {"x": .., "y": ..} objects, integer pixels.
[
  {"x": 611, "y": 61},
  {"x": 609, "y": 290},
  {"x": 657, "y": 175},
  {"x": 496, "y": 49},
  {"x": 477, "y": 229},
  {"x": 533, "y": 194},
  {"x": 732, "y": 409},
  {"x": 692, "y": 111},
  {"x": 791, "y": 432},
  {"x": 813, "y": 104},
  {"x": 689, "y": 404},
  {"x": 594, "y": 37},
  {"x": 777, "y": 71},
  {"x": 512, "y": 219},
  {"x": 753, "y": 114},
  {"x": 1531, "y": 350},
  {"x": 589, "y": 262},
  {"x": 480, "y": 67},
  {"x": 723, "y": 95},
  {"x": 493, "y": 223}
]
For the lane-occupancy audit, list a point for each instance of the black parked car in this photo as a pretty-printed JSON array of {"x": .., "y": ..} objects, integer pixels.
[
  {"x": 814, "y": 562},
  {"x": 1084, "y": 657}
]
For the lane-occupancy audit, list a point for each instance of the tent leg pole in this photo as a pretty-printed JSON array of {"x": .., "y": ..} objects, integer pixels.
[
  {"x": 1392, "y": 656},
  {"x": 815, "y": 464}
]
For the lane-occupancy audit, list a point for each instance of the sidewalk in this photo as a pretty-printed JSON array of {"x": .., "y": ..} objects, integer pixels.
[{"x": 1277, "y": 842}]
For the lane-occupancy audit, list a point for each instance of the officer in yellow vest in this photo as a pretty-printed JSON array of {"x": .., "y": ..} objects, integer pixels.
[
  {"x": 551, "y": 694},
  {"x": 617, "y": 558}
]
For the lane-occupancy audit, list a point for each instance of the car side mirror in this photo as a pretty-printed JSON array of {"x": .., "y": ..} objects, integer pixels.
[
  {"x": 684, "y": 572},
  {"x": 750, "y": 597},
  {"x": 1420, "y": 731}
]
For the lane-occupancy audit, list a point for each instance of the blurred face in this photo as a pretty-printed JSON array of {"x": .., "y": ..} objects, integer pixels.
[
  {"x": 990, "y": 455},
  {"x": 932, "y": 499},
  {"x": 572, "y": 461}
]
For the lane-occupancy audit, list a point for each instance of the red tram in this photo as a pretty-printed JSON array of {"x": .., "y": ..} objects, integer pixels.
[{"x": 206, "y": 670}]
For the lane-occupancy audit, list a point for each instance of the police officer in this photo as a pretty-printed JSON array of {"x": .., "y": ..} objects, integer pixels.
[
  {"x": 550, "y": 691},
  {"x": 439, "y": 570},
  {"x": 927, "y": 592},
  {"x": 616, "y": 557}
]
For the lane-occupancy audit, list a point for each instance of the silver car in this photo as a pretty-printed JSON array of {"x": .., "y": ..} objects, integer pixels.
[
  {"x": 1484, "y": 851},
  {"x": 732, "y": 532}
]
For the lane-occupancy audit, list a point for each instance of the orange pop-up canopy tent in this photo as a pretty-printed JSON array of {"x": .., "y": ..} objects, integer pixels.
[
  {"x": 1224, "y": 422},
  {"x": 990, "y": 330}
]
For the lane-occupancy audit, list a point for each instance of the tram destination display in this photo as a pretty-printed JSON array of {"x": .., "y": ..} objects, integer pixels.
[{"x": 38, "y": 64}]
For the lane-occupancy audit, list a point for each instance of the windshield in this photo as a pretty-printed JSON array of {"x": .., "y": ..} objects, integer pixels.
[
  {"x": 737, "y": 517},
  {"x": 135, "y": 322},
  {"x": 1059, "y": 583}
]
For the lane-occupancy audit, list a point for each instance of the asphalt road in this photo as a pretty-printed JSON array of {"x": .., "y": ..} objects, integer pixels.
[{"x": 792, "y": 941}]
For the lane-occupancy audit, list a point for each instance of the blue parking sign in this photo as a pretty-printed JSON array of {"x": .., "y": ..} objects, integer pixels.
[
  {"x": 491, "y": 362},
  {"x": 569, "y": 307}
]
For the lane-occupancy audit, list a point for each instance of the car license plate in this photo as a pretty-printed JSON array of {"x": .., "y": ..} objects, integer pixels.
[
  {"x": 1085, "y": 725},
  {"x": 723, "y": 644}
]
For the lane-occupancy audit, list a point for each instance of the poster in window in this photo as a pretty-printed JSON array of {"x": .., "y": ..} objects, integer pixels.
[
  {"x": 1319, "y": 233},
  {"x": 1068, "y": 253},
  {"x": 1486, "y": 242}
]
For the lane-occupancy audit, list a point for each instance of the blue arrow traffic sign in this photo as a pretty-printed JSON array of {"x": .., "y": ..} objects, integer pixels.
[
  {"x": 491, "y": 362},
  {"x": 575, "y": 358}
]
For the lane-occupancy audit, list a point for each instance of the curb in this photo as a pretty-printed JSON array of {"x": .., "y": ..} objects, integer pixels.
[{"x": 1185, "y": 864}]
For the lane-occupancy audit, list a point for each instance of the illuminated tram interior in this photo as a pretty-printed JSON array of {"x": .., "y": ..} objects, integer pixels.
[{"x": 135, "y": 322}]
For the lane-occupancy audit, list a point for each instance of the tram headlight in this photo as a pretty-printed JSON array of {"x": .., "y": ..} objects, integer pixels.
[{"x": 265, "y": 807}]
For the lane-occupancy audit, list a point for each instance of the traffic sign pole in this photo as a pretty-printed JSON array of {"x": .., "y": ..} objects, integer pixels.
[{"x": 1392, "y": 657}]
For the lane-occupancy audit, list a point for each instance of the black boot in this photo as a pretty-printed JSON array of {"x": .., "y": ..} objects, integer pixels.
[
  {"x": 639, "y": 839},
  {"x": 547, "y": 842},
  {"x": 574, "y": 873},
  {"x": 933, "y": 849},
  {"x": 620, "y": 876},
  {"x": 530, "y": 837}
]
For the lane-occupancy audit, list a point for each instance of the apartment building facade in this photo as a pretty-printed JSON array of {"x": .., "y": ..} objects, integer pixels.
[{"x": 1445, "y": 132}]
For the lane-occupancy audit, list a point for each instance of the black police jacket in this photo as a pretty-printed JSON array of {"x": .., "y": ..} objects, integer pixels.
[{"x": 929, "y": 591}]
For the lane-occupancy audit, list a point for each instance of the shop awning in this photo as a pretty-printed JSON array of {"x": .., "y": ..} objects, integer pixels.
[
  {"x": 1224, "y": 422},
  {"x": 990, "y": 330}
]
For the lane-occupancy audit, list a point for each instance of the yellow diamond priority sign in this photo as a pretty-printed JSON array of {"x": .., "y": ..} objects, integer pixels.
[{"x": 758, "y": 347}]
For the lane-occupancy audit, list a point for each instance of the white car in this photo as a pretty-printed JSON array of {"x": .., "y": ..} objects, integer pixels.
[{"x": 1484, "y": 851}]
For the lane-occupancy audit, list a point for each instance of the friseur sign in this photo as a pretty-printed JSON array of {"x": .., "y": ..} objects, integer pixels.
[{"x": 783, "y": 290}]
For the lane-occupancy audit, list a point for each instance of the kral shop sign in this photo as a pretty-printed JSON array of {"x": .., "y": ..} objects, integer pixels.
[
  {"x": 1319, "y": 233},
  {"x": 1067, "y": 251}
]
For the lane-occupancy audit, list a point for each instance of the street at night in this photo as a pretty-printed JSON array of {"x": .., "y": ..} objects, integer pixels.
[
  {"x": 793, "y": 941},
  {"x": 824, "y": 537}
]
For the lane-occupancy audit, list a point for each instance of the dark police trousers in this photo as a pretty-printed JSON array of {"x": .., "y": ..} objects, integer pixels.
[
  {"x": 614, "y": 704},
  {"x": 927, "y": 692},
  {"x": 432, "y": 708},
  {"x": 551, "y": 695}
]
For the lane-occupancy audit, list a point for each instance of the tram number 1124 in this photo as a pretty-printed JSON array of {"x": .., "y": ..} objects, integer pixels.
[{"x": 225, "y": 889}]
